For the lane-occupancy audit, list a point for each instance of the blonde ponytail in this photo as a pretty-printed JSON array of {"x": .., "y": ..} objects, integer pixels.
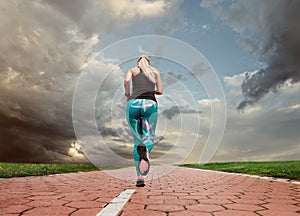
[{"x": 149, "y": 71}]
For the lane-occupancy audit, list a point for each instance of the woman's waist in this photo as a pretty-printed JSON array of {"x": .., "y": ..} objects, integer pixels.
[{"x": 144, "y": 95}]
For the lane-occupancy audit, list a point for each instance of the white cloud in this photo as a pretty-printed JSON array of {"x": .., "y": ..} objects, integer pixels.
[
  {"x": 205, "y": 27},
  {"x": 266, "y": 130},
  {"x": 235, "y": 80},
  {"x": 136, "y": 8},
  {"x": 289, "y": 108},
  {"x": 143, "y": 51},
  {"x": 207, "y": 102},
  {"x": 120, "y": 15}
]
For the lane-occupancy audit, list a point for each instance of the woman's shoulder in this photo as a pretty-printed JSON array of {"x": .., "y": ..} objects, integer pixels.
[{"x": 135, "y": 71}]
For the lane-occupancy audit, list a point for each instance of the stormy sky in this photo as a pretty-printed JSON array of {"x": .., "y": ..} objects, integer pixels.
[
  {"x": 44, "y": 46},
  {"x": 254, "y": 47},
  {"x": 270, "y": 31}
]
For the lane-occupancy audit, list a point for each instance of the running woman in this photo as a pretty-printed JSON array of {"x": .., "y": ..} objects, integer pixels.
[{"x": 141, "y": 112}]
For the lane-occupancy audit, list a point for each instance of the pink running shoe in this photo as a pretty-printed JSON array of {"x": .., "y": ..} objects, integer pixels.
[{"x": 144, "y": 163}]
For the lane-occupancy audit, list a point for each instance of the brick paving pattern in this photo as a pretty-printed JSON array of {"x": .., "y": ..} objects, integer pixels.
[{"x": 182, "y": 192}]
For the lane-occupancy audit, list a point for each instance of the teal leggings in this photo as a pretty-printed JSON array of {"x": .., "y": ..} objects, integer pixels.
[{"x": 141, "y": 115}]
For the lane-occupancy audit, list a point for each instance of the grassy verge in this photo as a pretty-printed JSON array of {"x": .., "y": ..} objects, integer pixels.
[
  {"x": 8, "y": 170},
  {"x": 278, "y": 169}
]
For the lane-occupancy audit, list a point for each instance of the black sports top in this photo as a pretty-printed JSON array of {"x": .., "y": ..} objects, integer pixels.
[{"x": 142, "y": 87}]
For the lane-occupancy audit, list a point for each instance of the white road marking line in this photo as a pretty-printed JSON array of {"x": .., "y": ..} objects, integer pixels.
[{"x": 114, "y": 207}]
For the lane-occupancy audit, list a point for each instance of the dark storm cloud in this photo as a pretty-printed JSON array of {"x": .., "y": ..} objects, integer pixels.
[
  {"x": 176, "y": 110},
  {"x": 105, "y": 131},
  {"x": 270, "y": 30},
  {"x": 177, "y": 76},
  {"x": 30, "y": 141}
]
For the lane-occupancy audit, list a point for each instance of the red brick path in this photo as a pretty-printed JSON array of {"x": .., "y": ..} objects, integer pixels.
[{"x": 182, "y": 192}]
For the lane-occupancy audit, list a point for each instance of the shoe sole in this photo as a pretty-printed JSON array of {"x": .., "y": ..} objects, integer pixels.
[{"x": 142, "y": 152}]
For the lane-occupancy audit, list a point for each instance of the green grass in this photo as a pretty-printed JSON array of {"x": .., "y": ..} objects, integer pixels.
[
  {"x": 278, "y": 169},
  {"x": 8, "y": 170}
]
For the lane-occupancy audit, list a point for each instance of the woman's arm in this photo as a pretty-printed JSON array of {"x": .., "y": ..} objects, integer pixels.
[
  {"x": 159, "y": 90},
  {"x": 127, "y": 84}
]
